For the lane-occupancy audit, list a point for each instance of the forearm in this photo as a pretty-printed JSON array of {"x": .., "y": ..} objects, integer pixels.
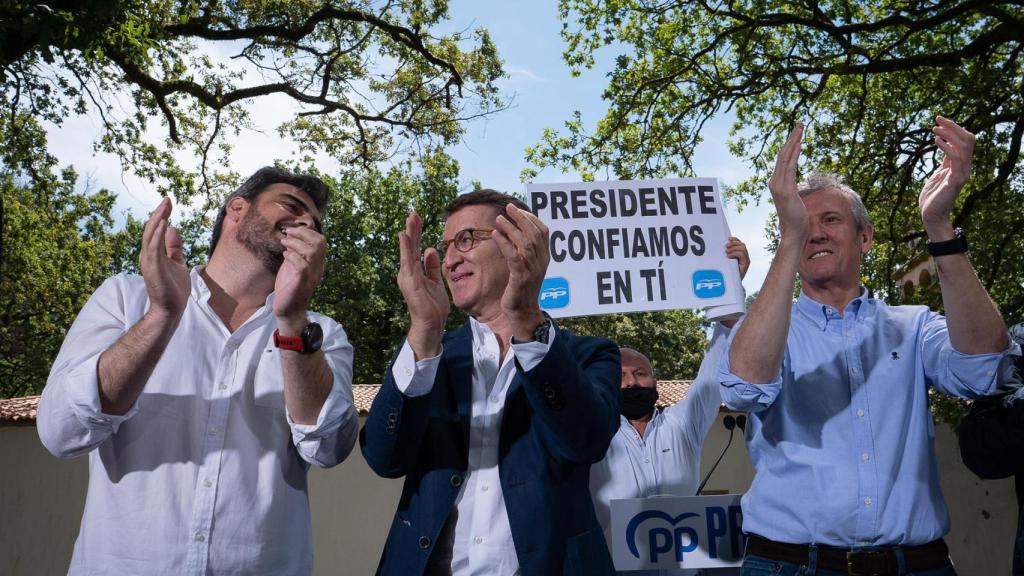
[
  {"x": 125, "y": 367},
  {"x": 975, "y": 324},
  {"x": 577, "y": 399},
  {"x": 756, "y": 351},
  {"x": 307, "y": 377},
  {"x": 307, "y": 382},
  {"x": 394, "y": 430}
]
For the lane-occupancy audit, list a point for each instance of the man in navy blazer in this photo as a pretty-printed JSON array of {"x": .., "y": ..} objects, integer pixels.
[{"x": 496, "y": 424}]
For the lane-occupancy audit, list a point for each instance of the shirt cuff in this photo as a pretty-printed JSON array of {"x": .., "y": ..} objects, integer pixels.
[
  {"x": 740, "y": 395},
  {"x": 330, "y": 414},
  {"x": 982, "y": 374},
  {"x": 530, "y": 354},
  {"x": 414, "y": 378},
  {"x": 83, "y": 392}
]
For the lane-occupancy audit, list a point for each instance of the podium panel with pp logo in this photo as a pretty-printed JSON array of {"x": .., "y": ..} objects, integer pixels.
[{"x": 665, "y": 532}]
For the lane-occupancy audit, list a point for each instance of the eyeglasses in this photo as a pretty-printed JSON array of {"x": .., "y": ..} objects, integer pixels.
[{"x": 464, "y": 241}]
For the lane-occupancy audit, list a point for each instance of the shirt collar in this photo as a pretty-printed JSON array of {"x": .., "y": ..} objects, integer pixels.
[
  {"x": 200, "y": 291},
  {"x": 481, "y": 333},
  {"x": 820, "y": 314}
]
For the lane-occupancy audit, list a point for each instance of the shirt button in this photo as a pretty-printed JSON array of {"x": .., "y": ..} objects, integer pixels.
[
  {"x": 223, "y": 386},
  {"x": 200, "y": 537},
  {"x": 207, "y": 483},
  {"x": 424, "y": 542},
  {"x": 485, "y": 488},
  {"x": 854, "y": 370},
  {"x": 648, "y": 460},
  {"x": 865, "y": 456},
  {"x": 408, "y": 372},
  {"x": 478, "y": 540},
  {"x": 860, "y": 413},
  {"x": 214, "y": 431},
  {"x": 867, "y": 501}
]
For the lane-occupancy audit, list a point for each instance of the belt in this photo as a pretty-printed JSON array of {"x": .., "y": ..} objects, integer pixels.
[{"x": 859, "y": 562}]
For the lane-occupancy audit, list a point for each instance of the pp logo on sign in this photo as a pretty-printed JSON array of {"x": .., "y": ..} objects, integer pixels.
[
  {"x": 718, "y": 530},
  {"x": 554, "y": 293},
  {"x": 708, "y": 284}
]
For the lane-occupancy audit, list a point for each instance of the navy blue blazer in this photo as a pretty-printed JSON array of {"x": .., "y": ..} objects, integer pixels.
[{"x": 558, "y": 419}]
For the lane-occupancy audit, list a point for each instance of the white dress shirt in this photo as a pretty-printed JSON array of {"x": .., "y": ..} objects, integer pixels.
[
  {"x": 206, "y": 473},
  {"x": 482, "y": 543},
  {"x": 666, "y": 460}
]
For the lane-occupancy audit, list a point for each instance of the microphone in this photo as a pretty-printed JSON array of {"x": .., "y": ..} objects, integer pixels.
[{"x": 730, "y": 424}]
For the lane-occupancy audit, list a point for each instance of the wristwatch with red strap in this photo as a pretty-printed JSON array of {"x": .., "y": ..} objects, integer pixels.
[{"x": 310, "y": 341}]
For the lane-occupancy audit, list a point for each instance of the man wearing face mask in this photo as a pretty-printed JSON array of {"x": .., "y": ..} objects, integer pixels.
[{"x": 657, "y": 452}]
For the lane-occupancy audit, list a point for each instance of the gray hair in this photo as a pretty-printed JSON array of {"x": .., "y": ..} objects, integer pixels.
[{"x": 818, "y": 181}]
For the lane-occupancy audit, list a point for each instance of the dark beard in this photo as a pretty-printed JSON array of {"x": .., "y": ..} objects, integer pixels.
[{"x": 258, "y": 236}]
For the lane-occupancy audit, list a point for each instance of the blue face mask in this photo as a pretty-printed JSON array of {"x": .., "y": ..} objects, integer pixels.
[{"x": 637, "y": 402}]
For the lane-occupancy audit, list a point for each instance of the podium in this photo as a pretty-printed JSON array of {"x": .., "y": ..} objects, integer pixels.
[{"x": 666, "y": 532}]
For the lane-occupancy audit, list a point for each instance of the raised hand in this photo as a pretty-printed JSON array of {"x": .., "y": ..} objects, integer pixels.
[
  {"x": 523, "y": 241},
  {"x": 940, "y": 191},
  {"x": 163, "y": 265},
  {"x": 788, "y": 204},
  {"x": 737, "y": 250},
  {"x": 423, "y": 290},
  {"x": 300, "y": 273}
]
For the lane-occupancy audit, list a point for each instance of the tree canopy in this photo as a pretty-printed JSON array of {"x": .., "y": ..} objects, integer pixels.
[
  {"x": 868, "y": 77},
  {"x": 59, "y": 244},
  {"x": 371, "y": 77}
]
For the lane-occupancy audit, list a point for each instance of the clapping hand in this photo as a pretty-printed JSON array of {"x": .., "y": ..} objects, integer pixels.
[{"x": 163, "y": 265}]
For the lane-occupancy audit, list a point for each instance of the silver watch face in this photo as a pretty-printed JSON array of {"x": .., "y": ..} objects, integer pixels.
[{"x": 541, "y": 333}]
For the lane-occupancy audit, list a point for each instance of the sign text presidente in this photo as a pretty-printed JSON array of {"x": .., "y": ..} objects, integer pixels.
[{"x": 633, "y": 246}]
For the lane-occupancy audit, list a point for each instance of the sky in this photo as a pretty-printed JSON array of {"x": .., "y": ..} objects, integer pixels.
[{"x": 543, "y": 94}]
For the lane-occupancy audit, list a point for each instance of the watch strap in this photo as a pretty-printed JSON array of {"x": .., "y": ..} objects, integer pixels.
[
  {"x": 294, "y": 343},
  {"x": 955, "y": 245}
]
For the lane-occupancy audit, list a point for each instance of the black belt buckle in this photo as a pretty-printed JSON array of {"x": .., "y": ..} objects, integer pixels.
[{"x": 869, "y": 563}]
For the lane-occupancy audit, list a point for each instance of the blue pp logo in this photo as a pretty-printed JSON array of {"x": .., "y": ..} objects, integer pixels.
[
  {"x": 708, "y": 284},
  {"x": 554, "y": 293}
]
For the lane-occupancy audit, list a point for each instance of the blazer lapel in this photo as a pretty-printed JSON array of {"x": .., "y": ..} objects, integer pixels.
[{"x": 459, "y": 350}]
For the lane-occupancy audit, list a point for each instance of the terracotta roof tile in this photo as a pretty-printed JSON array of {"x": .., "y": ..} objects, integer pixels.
[
  {"x": 18, "y": 409},
  {"x": 24, "y": 409}
]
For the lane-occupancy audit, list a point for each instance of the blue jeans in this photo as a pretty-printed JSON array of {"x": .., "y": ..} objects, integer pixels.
[{"x": 761, "y": 566}]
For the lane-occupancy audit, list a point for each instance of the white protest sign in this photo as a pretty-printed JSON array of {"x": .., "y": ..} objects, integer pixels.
[
  {"x": 664, "y": 532},
  {"x": 636, "y": 246}
]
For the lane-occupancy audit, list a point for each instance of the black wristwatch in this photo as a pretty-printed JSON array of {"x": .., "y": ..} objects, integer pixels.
[
  {"x": 310, "y": 341},
  {"x": 956, "y": 245},
  {"x": 540, "y": 333}
]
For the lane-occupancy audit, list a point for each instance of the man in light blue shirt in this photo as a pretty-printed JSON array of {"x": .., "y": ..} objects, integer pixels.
[{"x": 837, "y": 385}]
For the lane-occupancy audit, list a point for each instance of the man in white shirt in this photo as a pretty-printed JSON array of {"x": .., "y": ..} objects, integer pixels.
[
  {"x": 494, "y": 425},
  {"x": 657, "y": 452},
  {"x": 203, "y": 396}
]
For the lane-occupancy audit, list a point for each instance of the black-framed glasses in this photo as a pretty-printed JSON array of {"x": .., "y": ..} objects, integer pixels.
[{"x": 465, "y": 240}]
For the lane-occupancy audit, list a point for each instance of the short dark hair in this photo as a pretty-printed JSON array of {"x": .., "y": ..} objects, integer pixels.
[
  {"x": 484, "y": 197},
  {"x": 265, "y": 177}
]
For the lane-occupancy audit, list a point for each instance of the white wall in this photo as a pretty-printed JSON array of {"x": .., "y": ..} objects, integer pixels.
[{"x": 41, "y": 501}]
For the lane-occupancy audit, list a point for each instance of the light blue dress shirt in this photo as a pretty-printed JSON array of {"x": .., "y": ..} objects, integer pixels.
[{"x": 842, "y": 439}]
